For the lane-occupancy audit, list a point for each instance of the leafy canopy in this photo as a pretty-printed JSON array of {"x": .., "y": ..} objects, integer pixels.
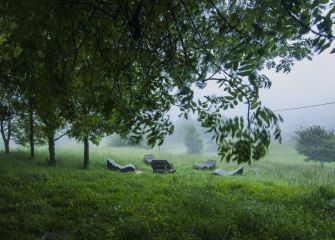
[{"x": 119, "y": 66}]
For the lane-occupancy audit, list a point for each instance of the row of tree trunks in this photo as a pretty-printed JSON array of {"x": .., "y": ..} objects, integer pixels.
[
  {"x": 51, "y": 142},
  {"x": 6, "y": 134},
  {"x": 52, "y": 152}
]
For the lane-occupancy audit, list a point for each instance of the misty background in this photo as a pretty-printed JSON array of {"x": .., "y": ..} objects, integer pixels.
[{"x": 308, "y": 83}]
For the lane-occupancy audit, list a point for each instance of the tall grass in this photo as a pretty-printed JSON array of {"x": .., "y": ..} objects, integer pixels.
[{"x": 279, "y": 197}]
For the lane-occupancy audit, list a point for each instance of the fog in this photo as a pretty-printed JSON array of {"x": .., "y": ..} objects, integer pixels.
[{"x": 308, "y": 83}]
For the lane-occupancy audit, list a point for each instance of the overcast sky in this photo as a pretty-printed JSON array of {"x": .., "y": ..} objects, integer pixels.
[{"x": 309, "y": 83}]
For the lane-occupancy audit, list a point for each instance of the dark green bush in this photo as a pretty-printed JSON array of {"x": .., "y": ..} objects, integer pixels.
[{"x": 317, "y": 144}]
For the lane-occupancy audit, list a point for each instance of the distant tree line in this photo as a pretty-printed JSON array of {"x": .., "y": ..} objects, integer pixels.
[{"x": 92, "y": 69}]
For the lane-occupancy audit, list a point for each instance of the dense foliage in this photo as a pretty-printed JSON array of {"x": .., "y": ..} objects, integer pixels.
[
  {"x": 317, "y": 144},
  {"x": 192, "y": 140},
  {"x": 93, "y": 68}
]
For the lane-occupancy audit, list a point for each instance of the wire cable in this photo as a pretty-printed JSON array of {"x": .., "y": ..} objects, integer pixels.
[{"x": 310, "y": 106}]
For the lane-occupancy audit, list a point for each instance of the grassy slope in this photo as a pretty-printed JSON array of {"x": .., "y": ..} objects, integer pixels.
[{"x": 280, "y": 197}]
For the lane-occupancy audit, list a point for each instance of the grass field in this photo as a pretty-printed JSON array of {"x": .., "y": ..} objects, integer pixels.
[{"x": 279, "y": 197}]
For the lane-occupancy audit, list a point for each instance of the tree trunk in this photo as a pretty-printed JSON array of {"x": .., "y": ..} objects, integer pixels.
[
  {"x": 6, "y": 142},
  {"x": 5, "y": 139},
  {"x": 31, "y": 134},
  {"x": 86, "y": 152},
  {"x": 322, "y": 164},
  {"x": 9, "y": 133},
  {"x": 52, "y": 153}
]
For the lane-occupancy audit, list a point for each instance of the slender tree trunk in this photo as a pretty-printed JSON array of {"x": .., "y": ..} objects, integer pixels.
[
  {"x": 9, "y": 133},
  {"x": 31, "y": 134},
  {"x": 86, "y": 152},
  {"x": 6, "y": 143},
  {"x": 322, "y": 164},
  {"x": 52, "y": 152},
  {"x": 3, "y": 134}
]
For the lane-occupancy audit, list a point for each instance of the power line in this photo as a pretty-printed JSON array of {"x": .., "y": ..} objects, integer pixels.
[{"x": 310, "y": 106}]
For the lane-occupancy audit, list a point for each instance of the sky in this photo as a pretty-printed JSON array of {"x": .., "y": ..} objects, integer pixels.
[{"x": 308, "y": 83}]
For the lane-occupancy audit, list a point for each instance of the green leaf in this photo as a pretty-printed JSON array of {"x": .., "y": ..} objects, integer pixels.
[{"x": 324, "y": 47}]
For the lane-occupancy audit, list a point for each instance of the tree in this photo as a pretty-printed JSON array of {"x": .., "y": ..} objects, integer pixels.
[
  {"x": 317, "y": 144},
  {"x": 150, "y": 54},
  {"x": 192, "y": 140},
  {"x": 6, "y": 120},
  {"x": 28, "y": 130},
  {"x": 8, "y": 112}
]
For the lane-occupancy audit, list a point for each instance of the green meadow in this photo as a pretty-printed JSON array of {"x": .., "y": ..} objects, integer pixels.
[{"x": 278, "y": 197}]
